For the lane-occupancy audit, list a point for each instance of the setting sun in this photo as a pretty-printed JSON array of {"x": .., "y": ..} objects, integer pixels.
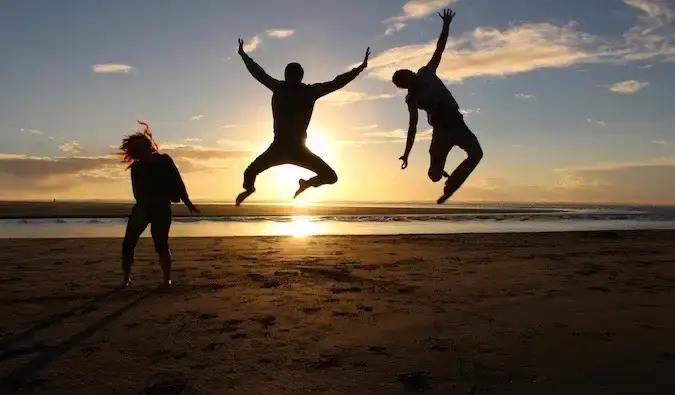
[{"x": 286, "y": 177}]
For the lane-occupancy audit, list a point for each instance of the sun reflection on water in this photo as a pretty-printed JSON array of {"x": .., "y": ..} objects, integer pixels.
[{"x": 299, "y": 226}]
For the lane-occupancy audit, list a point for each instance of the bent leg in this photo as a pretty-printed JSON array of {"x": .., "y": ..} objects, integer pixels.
[
  {"x": 160, "y": 227},
  {"x": 138, "y": 221},
  {"x": 469, "y": 143},
  {"x": 438, "y": 154},
  {"x": 270, "y": 158},
  {"x": 325, "y": 174},
  {"x": 264, "y": 161}
]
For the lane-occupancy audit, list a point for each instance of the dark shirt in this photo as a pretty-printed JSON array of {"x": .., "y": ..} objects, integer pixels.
[
  {"x": 431, "y": 95},
  {"x": 156, "y": 180},
  {"x": 293, "y": 103}
]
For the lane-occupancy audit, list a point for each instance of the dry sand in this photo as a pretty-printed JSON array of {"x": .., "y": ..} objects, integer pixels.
[{"x": 563, "y": 313}]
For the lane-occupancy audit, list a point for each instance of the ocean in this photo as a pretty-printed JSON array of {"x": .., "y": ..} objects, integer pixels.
[{"x": 480, "y": 219}]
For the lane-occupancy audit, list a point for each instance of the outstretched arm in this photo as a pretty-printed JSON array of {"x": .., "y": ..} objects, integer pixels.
[
  {"x": 343, "y": 79},
  {"x": 412, "y": 131},
  {"x": 254, "y": 68},
  {"x": 442, "y": 40}
]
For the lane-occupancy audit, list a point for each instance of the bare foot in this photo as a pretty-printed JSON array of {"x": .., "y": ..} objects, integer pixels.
[
  {"x": 242, "y": 196},
  {"x": 442, "y": 199},
  {"x": 304, "y": 184}
]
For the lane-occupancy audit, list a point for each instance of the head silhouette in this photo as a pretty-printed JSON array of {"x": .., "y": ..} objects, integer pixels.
[
  {"x": 404, "y": 78},
  {"x": 136, "y": 147},
  {"x": 294, "y": 73}
]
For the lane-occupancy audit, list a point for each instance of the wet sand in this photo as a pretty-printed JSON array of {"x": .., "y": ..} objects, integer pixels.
[{"x": 559, "y": 313}]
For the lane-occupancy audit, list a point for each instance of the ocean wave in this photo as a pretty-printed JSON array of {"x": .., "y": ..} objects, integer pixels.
[{"x": 572, "y": 215}]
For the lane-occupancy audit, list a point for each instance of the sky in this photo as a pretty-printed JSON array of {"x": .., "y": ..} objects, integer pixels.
[{"x": 571, "y": 101}]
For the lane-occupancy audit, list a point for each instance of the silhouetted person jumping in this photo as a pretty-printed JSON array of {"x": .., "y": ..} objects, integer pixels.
[
  {"x": 156, "y": 182},
  {"x": 292, "y": 106},
  {"x": 427, "y": 92}
]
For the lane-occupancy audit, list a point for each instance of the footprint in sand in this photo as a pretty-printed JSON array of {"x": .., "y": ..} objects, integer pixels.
[
  {"x": 213, "y": 346},
  {"x": 167, "y": 386},
  {"x": 377, "y": 350},
  {"x": 266, "y": 321},
  {"x": 344, "y": 314},
  {"x": 415, "y": 381},
  {"x": 348, "y": 289}
]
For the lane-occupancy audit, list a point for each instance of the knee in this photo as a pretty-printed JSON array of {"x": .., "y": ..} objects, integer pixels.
[
  {"x": 435, "y": 175},
  {"x": 475, "y": 156},
  {"x": 162, "y": 248},
  {"x": 331, "y": 178}
]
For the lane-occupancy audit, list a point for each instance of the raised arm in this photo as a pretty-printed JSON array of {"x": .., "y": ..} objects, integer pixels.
[
  {"x": 412, "y": 131},
  {"x": 256, "y": 71},
  {"x": 442, "y": 40},
  {"x": 343, "y": 79}
]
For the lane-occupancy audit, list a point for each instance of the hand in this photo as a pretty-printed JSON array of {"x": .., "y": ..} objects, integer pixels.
[
  {"x": 241, "y": 46},
  {"x": 447, "y": 15},
  {"x": 193, "y": 209},
  {"x": 404, "y": 165},
  {"x": 365, "y": 59}
]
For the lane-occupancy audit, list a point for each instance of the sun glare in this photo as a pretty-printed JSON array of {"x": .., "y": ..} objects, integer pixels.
[
  {"x": 298, "y": 227},
  {"x": 287, "y": 176}
]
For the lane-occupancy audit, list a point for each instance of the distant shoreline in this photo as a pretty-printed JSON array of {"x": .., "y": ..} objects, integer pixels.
[{"x": 51, "y": 210}]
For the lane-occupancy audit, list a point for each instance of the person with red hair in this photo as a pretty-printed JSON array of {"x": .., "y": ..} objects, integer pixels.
[{"x": 156, "y": 183}]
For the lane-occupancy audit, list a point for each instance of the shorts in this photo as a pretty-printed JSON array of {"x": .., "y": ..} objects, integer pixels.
[{"x": 448, "y": 133}]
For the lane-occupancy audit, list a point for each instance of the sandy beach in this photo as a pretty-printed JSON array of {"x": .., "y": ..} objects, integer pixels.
[{"x": 558, "y": 313}]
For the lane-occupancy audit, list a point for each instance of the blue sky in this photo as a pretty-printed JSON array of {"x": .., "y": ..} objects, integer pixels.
[{"x": 569, "y": 103}]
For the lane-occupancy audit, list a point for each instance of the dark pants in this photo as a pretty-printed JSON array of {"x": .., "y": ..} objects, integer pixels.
[
  {"x": 298, "y": 155},
  {"x": 449, "y": 132},
  {"x": 158, "y": 216}
]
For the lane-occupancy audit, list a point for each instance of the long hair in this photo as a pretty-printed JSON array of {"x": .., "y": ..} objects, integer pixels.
[{"x": 135, "y": 145}]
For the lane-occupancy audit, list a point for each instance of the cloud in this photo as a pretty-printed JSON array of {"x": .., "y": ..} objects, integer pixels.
[
  {"x": 256, "y": 41},
  {"x": 197, "y": 117},
  {"x": 72, "y": 147},
  {"x": 366, "y": 127},
  {"x": 651, "y": 181},
  {"x": 230, "y": 126},
  {"x": 596, "y": 122},
  {"x": 37, "y": 175},
  {"x": 343, "y": 97},
  {"x": 628, "y": 87},
  {"x": 236, "y": 144},
  {"x": 112, "y": 68},
  {"x": 489, "y": 51},
  {"x": 467, "y": 112},
  {"x": 280, "y": 33},
  {"x": 196, "y": 152},
  {"x": 660, "y": 142},
  {"x": 524, "y": 95},
  {"x": 252, "y": 45},
  {"x": 32, "y": 131},
  {"x": 393, "y": 134},
  {"x": 412, "y": 10},
  {"x": 192, "y": 140},
  {"x": 654, "y": 31}
]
